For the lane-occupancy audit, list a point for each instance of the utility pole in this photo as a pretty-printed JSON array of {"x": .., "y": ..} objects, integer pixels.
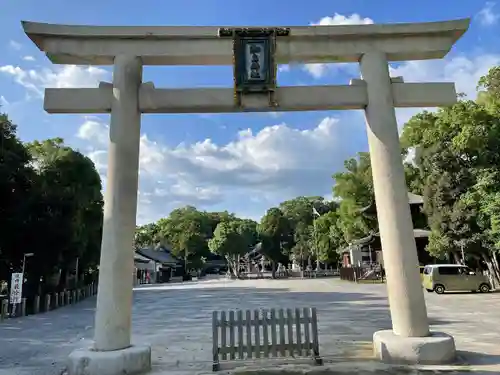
[
  {"x": 315, "y": 215},
  {"x": 76, "y": 271},
  {"x": 463, "y": 254},
  {"x": 185, "y": 260},
  {"x": 26, "y": 255}
]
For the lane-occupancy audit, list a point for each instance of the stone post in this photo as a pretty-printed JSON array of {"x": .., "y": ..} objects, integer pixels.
[
  {"x": 114, "y": 298},
  {"x": 74, "y": 298},
  {"x": 56, "y": 300},
  {"x": 36, "y": 305},
  {"x": 406, "y": 299},
  {"x": 67, "y": 296},
  {"x": 47, "y": 302},
  {"x": 23, "y": 307}
]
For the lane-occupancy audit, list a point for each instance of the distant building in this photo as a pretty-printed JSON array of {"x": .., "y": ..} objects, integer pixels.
[
  {"x": 368, "y": 249},
  {"x": 155, "y": 264}
]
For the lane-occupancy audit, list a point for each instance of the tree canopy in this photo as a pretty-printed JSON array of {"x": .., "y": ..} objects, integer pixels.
[
  {"x": 52, "y": 208},
  {"x": 457, "y": 163}
]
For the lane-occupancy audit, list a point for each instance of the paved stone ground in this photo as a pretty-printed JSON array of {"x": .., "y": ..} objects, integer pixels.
[{"x": 176, "y": 320}]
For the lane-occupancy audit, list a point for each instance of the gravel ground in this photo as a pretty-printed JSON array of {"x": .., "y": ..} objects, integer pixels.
[{"x": 175, "y": 319}]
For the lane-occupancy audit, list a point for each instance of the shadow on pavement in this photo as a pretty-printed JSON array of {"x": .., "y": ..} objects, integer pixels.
[
  {"x": 475, "y": 358},
  {"x": 176, "y": 321}
]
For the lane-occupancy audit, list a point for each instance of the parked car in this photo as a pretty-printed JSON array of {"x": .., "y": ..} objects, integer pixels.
[
  {"x": 453, "y": 277},
  {"x": 421, "y": 270}
]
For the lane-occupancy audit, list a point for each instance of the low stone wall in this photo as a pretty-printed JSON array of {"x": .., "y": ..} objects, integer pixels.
[{"x": 45, "y": 303}]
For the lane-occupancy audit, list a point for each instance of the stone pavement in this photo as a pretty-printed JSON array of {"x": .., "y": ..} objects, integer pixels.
[{"x": 176, "y": 320}]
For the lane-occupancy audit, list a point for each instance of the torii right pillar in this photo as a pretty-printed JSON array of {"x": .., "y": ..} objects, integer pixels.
[{"x": 410, "y": 340}]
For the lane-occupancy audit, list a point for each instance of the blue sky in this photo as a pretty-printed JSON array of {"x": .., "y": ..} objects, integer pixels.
[{"x": 244, "y": 163}]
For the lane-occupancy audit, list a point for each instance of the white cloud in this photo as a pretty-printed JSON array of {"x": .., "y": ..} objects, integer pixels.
[
  {"x": 463, "y": 71},
  {"x": 28, "y": 58},
  {"x": 3, "y": 101},
  {"x": 94, "y": 131},
  {"x": 319, "y": 70},
  {"x": 15, "y": 45},
  {"x": 66, "y": 76},
  {"x": 487, "y": 15},
  {"x": 339, "y": 19},
  {"x": 256, "y": 169},
  {"x": 275, "y": 163}
]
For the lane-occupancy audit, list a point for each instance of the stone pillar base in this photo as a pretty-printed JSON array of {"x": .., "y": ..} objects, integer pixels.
[
  {"x": 436, "y": 349},
  {"x": 132, "y": 360}
]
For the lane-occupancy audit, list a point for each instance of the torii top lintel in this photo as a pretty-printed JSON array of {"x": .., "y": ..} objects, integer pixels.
[{"x": 187, "y": 45}]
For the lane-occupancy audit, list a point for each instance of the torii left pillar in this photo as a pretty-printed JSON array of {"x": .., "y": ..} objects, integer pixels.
[{"x": 112, "y": 352}]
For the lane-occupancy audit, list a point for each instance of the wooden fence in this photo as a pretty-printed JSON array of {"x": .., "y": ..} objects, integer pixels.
[
  {"x": 265, "y": 334},
  {"x": 47, "y": 302}
]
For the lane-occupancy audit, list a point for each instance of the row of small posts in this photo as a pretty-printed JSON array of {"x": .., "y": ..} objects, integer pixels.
[
  {"x": 49, "y": 301},
  {"x": 289, "y": 273},
  {"x": 320, "y": 273}
]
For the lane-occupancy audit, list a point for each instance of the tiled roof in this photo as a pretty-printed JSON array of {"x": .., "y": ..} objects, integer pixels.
[
  {"x": 160, "y": 255},
  {"x": 412, "y": 199}
]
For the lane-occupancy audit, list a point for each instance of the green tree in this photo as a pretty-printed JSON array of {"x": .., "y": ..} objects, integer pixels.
[
  {"x": 299, "y": 213},
  {"x": 147, "y": 235},
  {"x": 328, "y": 237},
  {"x": 354, "y": 189},
  {"x": 186, "y": 232},
  {"x": 489, "y": 91},
  {"x": 414, "y": 179},
  {"x": 232, "y": 240},
  {"x": 457, "y": 158},
  {"x": 16, "y": 186},
  {"x": 68, "y": 209},
  {"x": 274, "y": 229}
]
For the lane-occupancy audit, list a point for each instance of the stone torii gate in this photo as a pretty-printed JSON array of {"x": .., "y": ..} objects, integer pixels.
[{"x": 254, "y": 53}]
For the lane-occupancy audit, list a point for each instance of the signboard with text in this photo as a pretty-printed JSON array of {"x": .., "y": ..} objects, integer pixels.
[{"x": 16, "y": 288}]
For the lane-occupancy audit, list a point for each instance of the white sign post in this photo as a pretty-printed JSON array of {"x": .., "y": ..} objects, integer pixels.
[{"x": 16, "y": 290}]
